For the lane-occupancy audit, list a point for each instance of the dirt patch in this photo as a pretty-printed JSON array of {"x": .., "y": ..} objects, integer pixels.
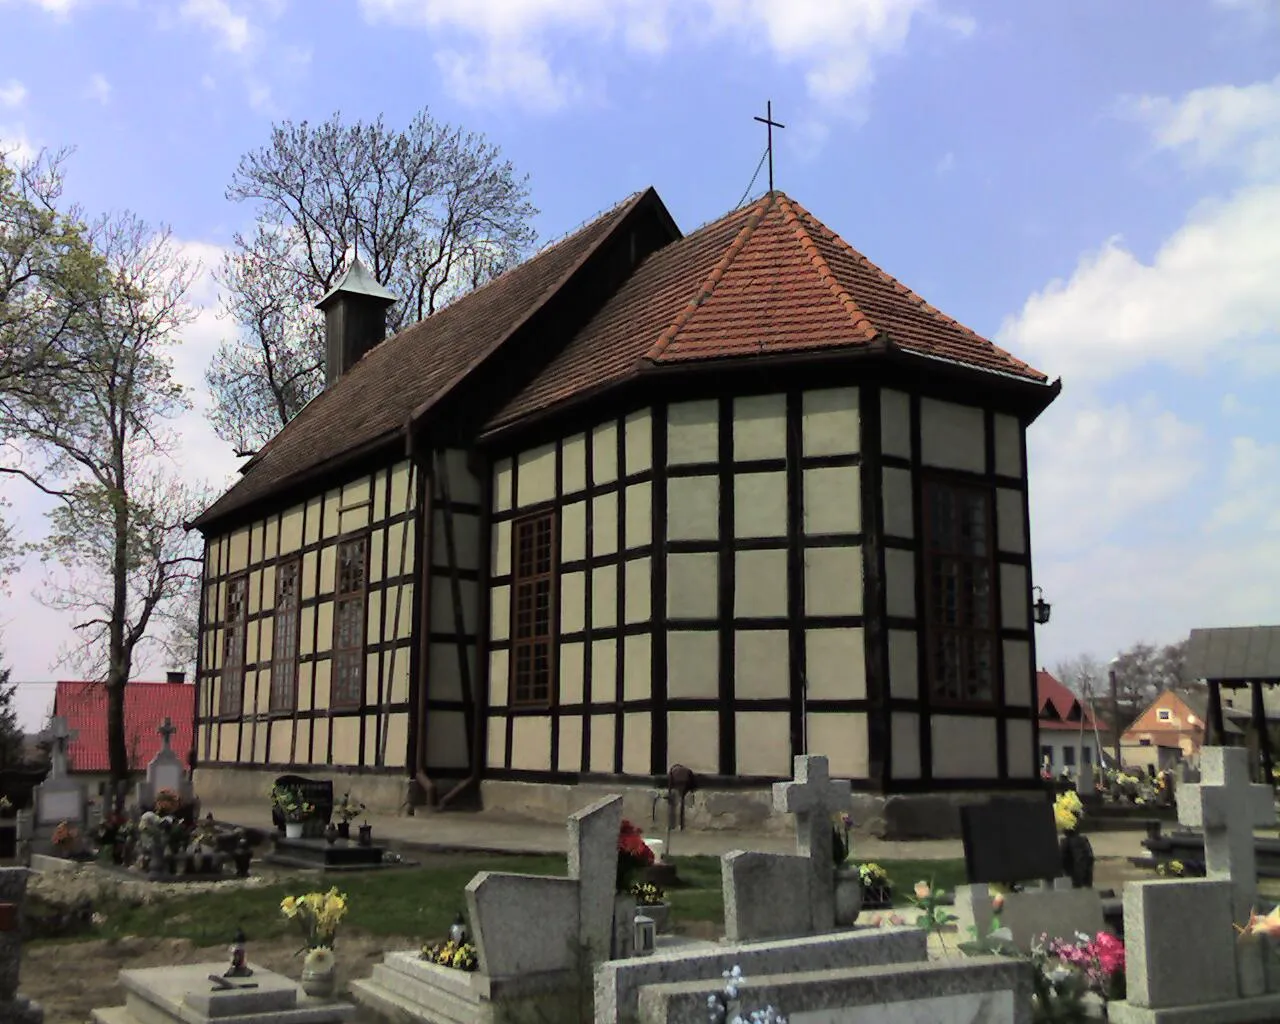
[{"x": 71, "y": 979}]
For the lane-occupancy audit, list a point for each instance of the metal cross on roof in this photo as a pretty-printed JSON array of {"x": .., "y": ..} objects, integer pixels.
[{"x": 770, "y": 124}]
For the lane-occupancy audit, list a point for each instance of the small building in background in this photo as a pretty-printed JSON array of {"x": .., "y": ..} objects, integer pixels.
[
  {"x": 146, "y": 705},
  {"x": 1068, "y": 730},
  {"x": 1172, "y": 728}
]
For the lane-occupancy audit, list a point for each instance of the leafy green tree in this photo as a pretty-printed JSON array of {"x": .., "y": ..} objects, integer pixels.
[{"x": 11, "y": 737}]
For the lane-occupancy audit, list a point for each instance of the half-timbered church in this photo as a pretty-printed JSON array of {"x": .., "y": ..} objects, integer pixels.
[{"x": 646, "y": 499}]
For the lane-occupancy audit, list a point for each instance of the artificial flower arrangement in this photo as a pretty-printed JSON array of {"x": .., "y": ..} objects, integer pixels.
[
  {"x": 933, "y": 914},
  {"x": 872, "y": 875},
  {"x": 840, "y": 826},
  {"x": 634, "y": 854},
  {"x": 461, "y": 956},
  {"x": 647, "y": 894},
  {"x": 64, "y": 836},
  {"x": 1099, "y": 961},
  {"x": 6, "y": 807},
  {"x": 1067, "y": 811},
  {"x": 318, "y": 914},
  {"x": 348, "y": 809},
  {"x": 289, "y": 802},
  {"x": 1171, "y": 869},
  {"x": 166, "y": 803}
]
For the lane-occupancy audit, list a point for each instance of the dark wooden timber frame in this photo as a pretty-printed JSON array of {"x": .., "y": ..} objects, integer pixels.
[
  {"x": 285, "y": 617},
  {"x": 228, "y": 709},
  {"x": 538, "y": 690},
  {"x": 359, "y": 598}
]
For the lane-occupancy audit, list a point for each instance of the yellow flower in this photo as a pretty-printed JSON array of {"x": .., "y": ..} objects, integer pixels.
[{"x": 289, "y": 905}]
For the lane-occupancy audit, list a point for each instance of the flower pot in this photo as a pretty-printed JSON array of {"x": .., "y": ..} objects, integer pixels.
[
  {"x": 366, "y": 835},
  {"x": 344, "y": 830},
  {"x": 659, "y": 912},
  {"x": 1077, "y": 859},
  {"x": 319, "y": 983},
  {"x": 293, "y": 830},
  {"x": 848, "y": 897}
]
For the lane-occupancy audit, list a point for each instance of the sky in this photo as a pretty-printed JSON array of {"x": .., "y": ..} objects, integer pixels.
[{"x": 1093, "y": 185}]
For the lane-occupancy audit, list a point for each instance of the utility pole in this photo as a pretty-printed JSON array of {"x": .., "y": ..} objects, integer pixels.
[{"x": 1115, "y": 713}]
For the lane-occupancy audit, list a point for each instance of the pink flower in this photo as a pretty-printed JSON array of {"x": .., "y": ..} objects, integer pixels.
[
  {"x": 875, "y": 920},
  {"x": 997, "y": 902},
  {"x": 896, "y": 919},
  {"x": 922, "y": 890}
]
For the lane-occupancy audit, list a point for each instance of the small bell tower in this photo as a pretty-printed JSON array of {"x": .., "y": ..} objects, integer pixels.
[{"x": 355, "y": 319}]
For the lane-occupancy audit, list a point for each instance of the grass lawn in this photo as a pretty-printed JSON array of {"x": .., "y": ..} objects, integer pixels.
[{"x": 421, "y": 902}]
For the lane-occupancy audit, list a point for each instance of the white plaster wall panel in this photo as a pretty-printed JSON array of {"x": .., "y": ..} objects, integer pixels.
[
  {"x": 354, "y": 518},
  {"x": 573, "y": 464},
  {"x": 324, "y": 627},
  {"x": 895, "y": 423},
  {"x": 466, "y": 542},
  {"x": 399, "y": 624},
  {"x": 760, "y": 504},
  {"x": 604, "y": 597},
  {"x": 502, "y": 546},
  {"x": 569, "y": 751},
  {"x": 1011, "y": 525},
  {"x": 328, "y": 568},
  {"x": 762, "y": 742},
  {"x": 496, "y": 747},
  {"x": 1008, "y": 444},
  {"x": 637, "y": 753},
  {"x": 604, "y": 453},
  {"x": 830, "y": 421},
  {"x": 397, "y": 739},
  {"x": 693, "y": 508},
  {"x": 896, "y": 499},
  {"x": 900, "y": 583},
  {"x": 309, "y": 564},
  {"x": 398, "y": 673},
  {"x": 255, "y": 544},
  {"x": 832, "y": 500},
  {"x": 319, "y": 740},
  {"x": 603, "y": 730},
  {"x": 904, "y": 664},
  {"x": 637, "y": 668},
  {"x": 464, "y": 486},
  {"x": 446, "y": 739},
  {"x": 835, "y": 664},
  {"x": 762, "y": 664},
  {"x": 638, "y": 441},
  {"x": 842, "y": 737},
  {"x": 952, "y": 436},
  {"x": 1014, "y": 596},
  {"x": 573, "y": 601},
  {"x": 639, "y": 515},
  {"x": 759, "y": 427},
  {"x": 442, "y": 617},
  {"x": 531, "y": 743},
  {"x": 500, "y": 613},
  {"x": 273, "y": 537},
  {"x": 639, "y": 593},
  {"x": 239, "y": 552},
  {"x": 571, "y": 661},
  {"x": 904, "y": 732},
  {"x": 402, "y": 487},
  {"x": 693, "y": 740},
  {"x": 1020, "y": 753},
  {"x": 693, "y": 664},
  {"x": 693, "y": 586},
  {"x": 1017, "y": 673},
  {"x": 345, "y": 740},
  {"x": 604, "y": 524},
  {"x": 573, "y": 532},
  {"x": 693, "y": 432},
  {"x": 321, "y": 680},
  {"x": 291, "y": 530},
  {"x": 378, "y": 541},
  {"x": 833, "y": 581},
  {"x": 400, "y": 547},
  {"x": 329, "y": 525},
  {"x": 306, "y": 635},
  {"x": 760, "y": 584},
  {"x": 604, "y": 671},
  {"x": 536, "y": 475},
  {"x": 964, "y": 747},
  {"x": 311, "y": 528}
]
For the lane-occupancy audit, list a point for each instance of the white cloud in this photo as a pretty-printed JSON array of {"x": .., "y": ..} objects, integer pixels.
[
  {"x": 1210, "y": 292},
  {"x": 99, "y": 89},
  {"x": 233, "y": 30},
  {"x": 16, "y": 144},
  {"x": 1250, "y": 488},
  {"x": 500, "y": 48},
  {"x": 1236, "y": 126},
  {"x": 12, "y": 93}
]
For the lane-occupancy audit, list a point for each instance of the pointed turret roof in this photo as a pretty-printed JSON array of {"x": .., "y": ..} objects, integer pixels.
[{"x": 356, "y": 281}]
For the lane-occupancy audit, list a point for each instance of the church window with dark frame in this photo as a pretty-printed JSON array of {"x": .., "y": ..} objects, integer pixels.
[
  {"x": 349, "y": 611},
  {"x": 532, "y": 604},
  {"x": 284, "y": 636},
  {"x": 959, "y": 566},
  {"x": 234, "y": 633}
]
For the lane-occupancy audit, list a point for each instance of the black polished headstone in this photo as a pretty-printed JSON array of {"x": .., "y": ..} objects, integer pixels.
[
  {"x": 1009, "y": 841},
  {"x": 318, "y": 792}
]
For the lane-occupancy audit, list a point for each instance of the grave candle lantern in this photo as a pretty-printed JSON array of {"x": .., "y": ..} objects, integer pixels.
[{"x": 646, "y": 935}]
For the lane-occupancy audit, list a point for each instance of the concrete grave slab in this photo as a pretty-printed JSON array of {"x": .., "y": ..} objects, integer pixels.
[
  {"x": 524, "y": 924},
  {"x": 766, "y": 895}
]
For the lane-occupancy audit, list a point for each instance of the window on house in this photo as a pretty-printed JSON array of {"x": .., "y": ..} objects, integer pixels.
[
  {"x": 234, "y": 619},
  {"x": 284, "y": 637},
  {"x": 349, "y": 610},
  {"x": 1046, "y": 756},
  {"x": 960, "y": 612},
  {"x": 1164, "y": 714},
  {"x": 1144, "y": 743},
  {"x": 532, "y": 596},
  {"x": 1086, "y": 755},
  {"x": 1069, "y": 757}
]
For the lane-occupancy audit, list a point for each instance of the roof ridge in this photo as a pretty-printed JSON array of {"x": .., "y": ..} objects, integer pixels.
[
  {"x": 712, "y": 279},
  {"x": 923, "y": 304},
  {"x": 788, "y": 206}
]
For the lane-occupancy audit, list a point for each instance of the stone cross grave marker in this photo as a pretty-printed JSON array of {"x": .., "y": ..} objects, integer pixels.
[
  {"x": 813, "y": 797},
  {"x": 166, "y": 729},
  {"x": 1227, "y": 807},
  {"x": 61, "y": 736}
]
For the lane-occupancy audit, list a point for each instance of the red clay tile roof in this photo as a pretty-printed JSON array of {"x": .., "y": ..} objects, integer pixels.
[
  {"x": 146, "y": 705},
  {"x": 1059, "y": 708},
  {"x": 376, "y": 396},
  {"x": 767, "y": 279}
]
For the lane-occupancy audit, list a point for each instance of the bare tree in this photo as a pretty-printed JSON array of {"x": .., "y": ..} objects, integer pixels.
[
  {"x": 431, "y": 210},
  {"x": 1083, "y": 674},
  {"x": 98, "y": 443}
]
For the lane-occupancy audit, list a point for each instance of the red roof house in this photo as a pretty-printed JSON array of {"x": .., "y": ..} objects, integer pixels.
[
  {"x": 146, "y": 705},
  {"x": 1059, "y": 708}
]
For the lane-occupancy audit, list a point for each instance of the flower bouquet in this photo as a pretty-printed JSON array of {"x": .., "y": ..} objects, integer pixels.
[
  {"x": 347, "y": 809},
  {"x": 6, "y": 807},
  {"x": 166, "y": 803},
  {"x": 293, "y": 809},
  {"x": 65, "y": 837},
  {"x": 634, "y": 855},
  {"x": 318, "y": 915},
  {"x": 877, "y": 886},
  {"x": 461, "y": 956}
]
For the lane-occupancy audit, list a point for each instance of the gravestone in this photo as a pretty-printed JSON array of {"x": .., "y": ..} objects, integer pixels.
[
  {"x": 164, "y": 771},
  {"x": 60, "y": 798},
  {"x": 1010, "y": 841},
  {"x": 1084, "y": 782},
  {"x": 814, "y": 797},
  {"x": 318, "y": 792},
  {"x": 14, "y": 1009}
]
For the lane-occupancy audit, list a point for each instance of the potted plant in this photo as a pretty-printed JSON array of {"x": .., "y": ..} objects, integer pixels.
[
  {"x": 295, "y": 811},
  {"x": 877, "y": 888},
  {"x": 652, "y": 902},
  {"x": 347, "y": 810},
  {"x": 318, "y": 914},
  {"x": 848, "y": 882}
]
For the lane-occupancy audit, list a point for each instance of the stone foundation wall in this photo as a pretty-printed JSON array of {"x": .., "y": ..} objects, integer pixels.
[
  {"x": 244, "y": 787},
  {"x": 896, "y": 816}
]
